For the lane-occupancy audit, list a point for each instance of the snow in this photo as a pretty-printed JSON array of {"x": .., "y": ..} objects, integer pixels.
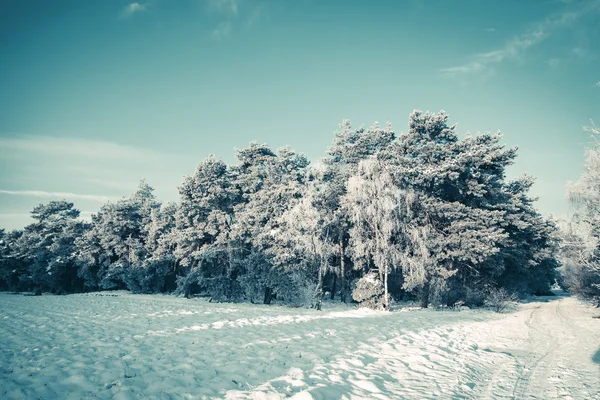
[{"x": 119, "y": 345}]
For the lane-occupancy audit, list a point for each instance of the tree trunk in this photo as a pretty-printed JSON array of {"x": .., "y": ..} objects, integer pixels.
[
  {"x": 379, "y": 269},
  {"x": 385, "y": 291},
  {"x": 425, "y": 295},
  {"x": 333, "y": 286},
  {"x": 268, "y": 295},
  {"x": 342, "y": 272},
  {"x": 319, "y": 290}
]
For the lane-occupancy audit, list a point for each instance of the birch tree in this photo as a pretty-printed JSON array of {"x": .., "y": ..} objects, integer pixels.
[
  {"x": 306, "y": 237},
  {"x": 374, "y": 204},
  {"x": 581, "y": 239},
  {"x": 349, "y": 147}
]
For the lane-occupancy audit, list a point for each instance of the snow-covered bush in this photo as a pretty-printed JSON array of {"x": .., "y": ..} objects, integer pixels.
[
  {"x": 369, "y": 292},
  {"x": 499, "y": 299},
  {"x": 474, "y": 297},
  {"x": 581, "y": 281},
  {"x": 296, "y": 289}
]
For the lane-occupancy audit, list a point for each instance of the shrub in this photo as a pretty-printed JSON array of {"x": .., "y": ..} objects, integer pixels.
[
  {"x": 581, "y": 281},
  {"x": 474, "y": 297},
  {"x": 296, "y": 289},
  {"x": 499, "y": 299},
  {"x": 368, "y": 291}
]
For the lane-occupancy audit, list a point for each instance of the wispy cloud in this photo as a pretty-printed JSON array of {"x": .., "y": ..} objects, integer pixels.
[
  {"x": 584, "y": 53},
  {"x": 515, "y": 48},
  {"x": 133, "y": 8},
  {"x": 62, "y": 195},
  {"x": 554, "y": 62},
  {"x": 88, "y": 172},
  {"x": 91, "y": 149},
  {"x": 225, "y": 6},
  {"x": 223, "y": 30},
  {"x": 76, "y": 165},
  {"x": 255, "y": 15},
  {"x": 234, "y": 14}
]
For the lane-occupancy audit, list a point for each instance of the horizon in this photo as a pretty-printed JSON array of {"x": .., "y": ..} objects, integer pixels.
[{"x": 99, "y": 95}]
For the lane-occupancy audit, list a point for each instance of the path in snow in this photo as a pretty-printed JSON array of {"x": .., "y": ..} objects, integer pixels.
[
  {"x": 161, "y": 347},
  {"x": 553, "y": 356},
  {"x": 549, "y": 349}
]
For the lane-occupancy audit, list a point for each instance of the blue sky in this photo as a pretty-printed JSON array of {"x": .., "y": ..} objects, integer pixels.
[{"x": 95, "y": 95}]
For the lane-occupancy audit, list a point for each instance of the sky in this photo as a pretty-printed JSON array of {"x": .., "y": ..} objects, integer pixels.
[{"x": 95, "y": 95}]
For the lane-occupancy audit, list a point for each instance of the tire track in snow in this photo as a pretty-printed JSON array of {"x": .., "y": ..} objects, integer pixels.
[{"x": 553, "y": 359}]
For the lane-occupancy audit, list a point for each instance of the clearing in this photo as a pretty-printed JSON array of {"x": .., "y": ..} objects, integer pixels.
[{"x": 119, "y": 345}]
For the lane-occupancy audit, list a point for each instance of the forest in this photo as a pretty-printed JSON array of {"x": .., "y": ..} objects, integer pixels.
[{"x": 419, "y": 215}]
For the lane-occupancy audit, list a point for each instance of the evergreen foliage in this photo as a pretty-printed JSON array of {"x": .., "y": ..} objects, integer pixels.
[{"x": 419, "y": 214}]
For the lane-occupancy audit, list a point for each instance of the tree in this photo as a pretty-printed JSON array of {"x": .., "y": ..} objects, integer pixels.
[
  {"x": 478, "y": 227},
  {"x": 348, "y": 148},
  {"x": 14, "y": 274},
  {"x": 157, "y": 270},
  {"x": 202, "y": 224},
  {"x": 376, "y": 208},
  {"x": 48, "y": 247},
  {"x": 581, "y": 239},
  {"x": 270, "y": 184},
  {"x": 306, "y": 240},
  {"x": 116, "y": 241}
]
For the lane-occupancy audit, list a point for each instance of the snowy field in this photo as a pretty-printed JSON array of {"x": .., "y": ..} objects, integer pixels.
[{"x": 123, "y": 346}]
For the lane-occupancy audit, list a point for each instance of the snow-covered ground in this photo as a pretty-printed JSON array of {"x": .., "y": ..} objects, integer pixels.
[{"x": 118, "y": 345}]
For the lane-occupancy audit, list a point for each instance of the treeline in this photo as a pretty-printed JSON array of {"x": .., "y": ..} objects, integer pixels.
[
  {"x": 420, "y": 214},
  {"x": 580, "y": 244}
]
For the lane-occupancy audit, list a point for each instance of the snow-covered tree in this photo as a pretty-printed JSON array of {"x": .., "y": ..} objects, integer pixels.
[
  {"x": 580, "y": 247},
  {"x": 14, "y": 274},
  {"x": 116, "y": 242},
  {"x": 305, "y": 240},
  {"x": 270, "y": 183},
  {"x": 48, "y": 247},
  {"x": 202, "y": 224},
  {"x": 378, "y": 209},
  {"x": 349, "y": 147},
  {"x": 477, "y": 222},
  {"x": 157, "y": 270}
]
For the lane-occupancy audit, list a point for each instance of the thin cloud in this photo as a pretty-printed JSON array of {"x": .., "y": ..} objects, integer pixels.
[
  {"x": 519, "y": 45},
  {"x": 584, "y": 53},
  {"x": 554, "y": 62},
  {"x": 255, "y": 16},
  {"x": 20, "y": 215},
  {"x": 133, "y": 8},
  {"x": 225, "y": 6},
  {"x": 62, "y": 195},
  {"x": 234, "y": 14},
  {"x": 90, "y": 149},
  {"x": 223, "y": 30}
]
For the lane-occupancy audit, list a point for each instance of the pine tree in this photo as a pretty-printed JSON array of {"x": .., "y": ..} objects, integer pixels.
[
  {"x": 48, "y": 247},
  {"x": 271, "y": 184},
  {"x": 14, "y": 274},
  {"x": 115, "y": 244},
  {"x": 472, "y": 221}
]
